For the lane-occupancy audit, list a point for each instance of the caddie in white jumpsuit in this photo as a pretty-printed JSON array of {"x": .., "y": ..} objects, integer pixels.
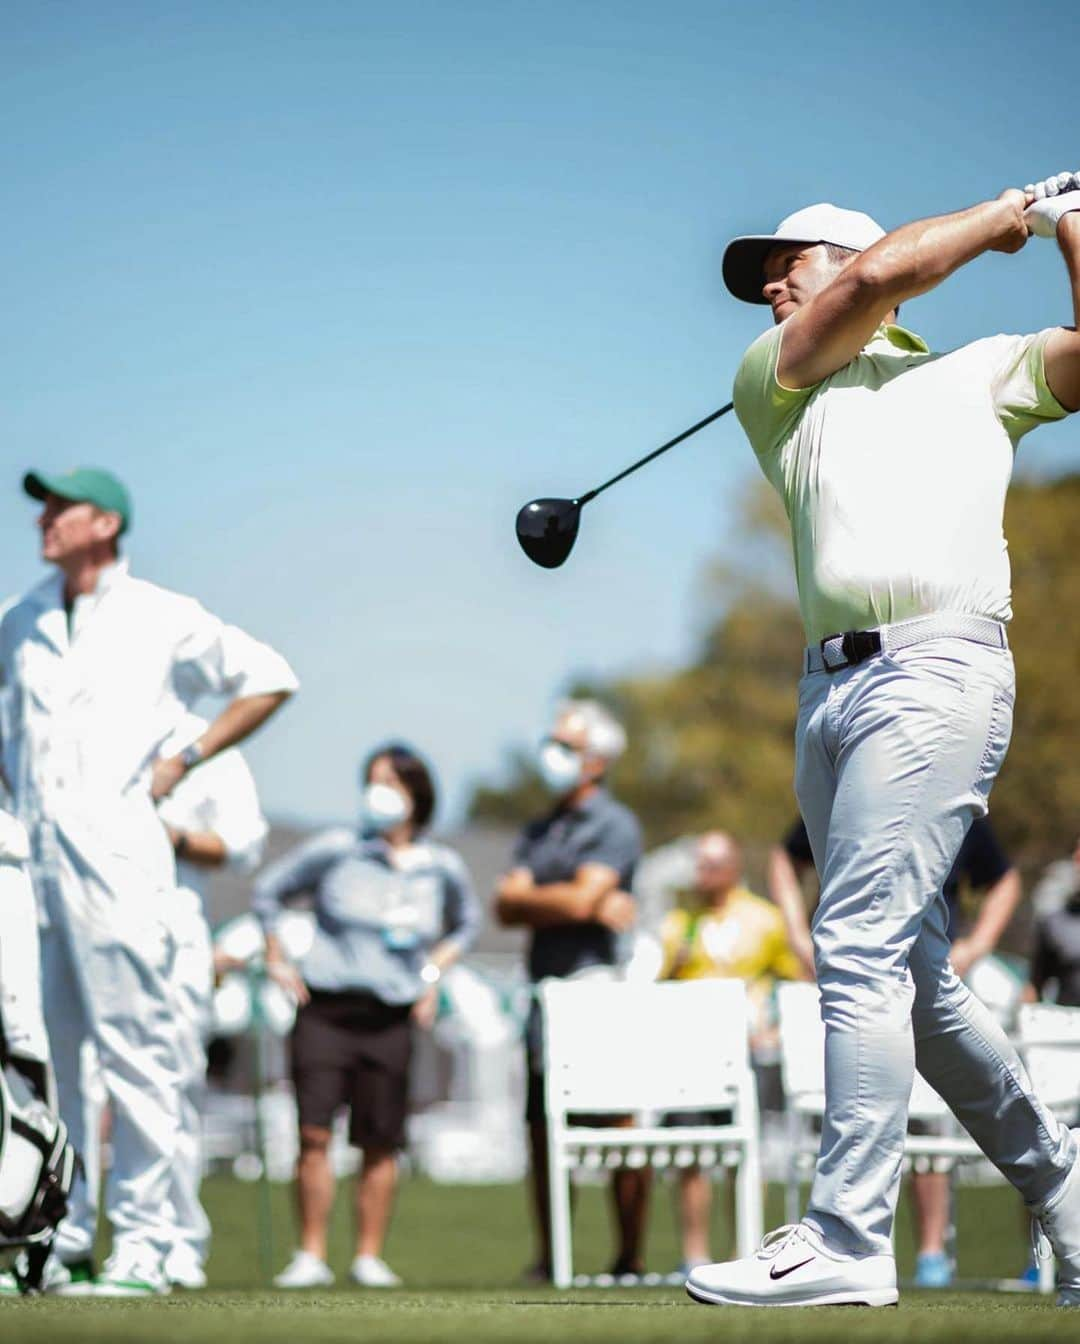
[
  {"x": 213, "y": 819},
  {"x": 893, "y": 465},
  {"x": 97, "y": 669}
]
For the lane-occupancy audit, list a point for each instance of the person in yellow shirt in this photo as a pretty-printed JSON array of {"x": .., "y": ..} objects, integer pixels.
[{"x": 722, "y": 930}]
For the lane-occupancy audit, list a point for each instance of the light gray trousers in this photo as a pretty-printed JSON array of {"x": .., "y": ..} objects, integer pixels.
[{"x": 894, "y": 759}]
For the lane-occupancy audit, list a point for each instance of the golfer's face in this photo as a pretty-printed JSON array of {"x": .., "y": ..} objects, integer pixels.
[{"x": 794, "y": 273}]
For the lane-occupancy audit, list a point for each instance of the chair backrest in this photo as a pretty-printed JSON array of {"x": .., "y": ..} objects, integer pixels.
[
  {"x": 1049, "y": 1038},
  {"x": 802, "y": 1053},
  {"x": 615, "y": 1047},
  {"x": 802, "y": 1040}
]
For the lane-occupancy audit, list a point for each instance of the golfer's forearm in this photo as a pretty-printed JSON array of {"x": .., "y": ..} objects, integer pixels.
[
  {"x": 996, "y": 911},
  {"x": 1061, "y": 354},
  {"x": 1068, "y": 233},
  {"x": 917, "y": 257}
]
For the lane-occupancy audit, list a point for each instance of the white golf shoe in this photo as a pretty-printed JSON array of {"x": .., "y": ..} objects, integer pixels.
[
  {"x": 305, "y": 1270},
  {"x": 1060, "y": 1220},
  {"x": 184, "y": 1269},
  {"x": 794, "y": 1267},
  {"x": 131, "y": 1272},
  {"x": 369, "y": 1271}
]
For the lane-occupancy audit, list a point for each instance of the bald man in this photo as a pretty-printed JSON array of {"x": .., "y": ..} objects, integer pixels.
[{"x": 721, "y": 930}]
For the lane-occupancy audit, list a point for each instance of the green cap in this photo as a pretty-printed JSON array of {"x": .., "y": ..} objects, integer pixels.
[{"x": 88, "y": 485}]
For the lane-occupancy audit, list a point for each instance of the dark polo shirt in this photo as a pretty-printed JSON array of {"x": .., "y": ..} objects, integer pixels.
[
  {"x": 553, "y": 848},
  {"x": 981, "y": 862},
  {"x": 1057, "y": 953}
]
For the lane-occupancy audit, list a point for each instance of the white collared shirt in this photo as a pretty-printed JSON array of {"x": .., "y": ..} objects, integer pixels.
[{"x": 86, "y": 705}]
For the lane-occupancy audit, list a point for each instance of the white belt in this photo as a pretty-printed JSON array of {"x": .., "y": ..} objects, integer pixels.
[{"x": 835, "y": 652}]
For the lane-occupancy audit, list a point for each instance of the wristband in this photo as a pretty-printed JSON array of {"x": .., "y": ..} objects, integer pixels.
[
  {"x": 180, "y": 845},
  {"x": 191, "y": 756}
]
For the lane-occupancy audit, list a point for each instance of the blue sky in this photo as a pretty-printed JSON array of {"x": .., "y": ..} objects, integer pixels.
[{"x": 336, "y": 287}]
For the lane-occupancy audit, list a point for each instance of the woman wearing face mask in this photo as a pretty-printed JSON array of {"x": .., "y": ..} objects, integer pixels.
[{"x": 392, "y": 913}]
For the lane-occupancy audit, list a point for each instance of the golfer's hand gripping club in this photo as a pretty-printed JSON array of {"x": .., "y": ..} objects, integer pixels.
[{"x": 1050, "y": 199}]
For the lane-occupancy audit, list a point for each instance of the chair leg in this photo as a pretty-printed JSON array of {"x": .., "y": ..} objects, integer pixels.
[
  {"x": 562, "y": 1254},
  {"x": 1047, "y": 1275},
  {"x": 792, "y": 1191},
  {"x": 950, "y": 1231},
  {"x": 749, "y": 1215}
]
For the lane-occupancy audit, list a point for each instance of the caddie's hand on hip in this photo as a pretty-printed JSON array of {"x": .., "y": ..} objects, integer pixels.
[
  {"x": 1049, "y": 200},
  {"x": 166, "y": 773}
]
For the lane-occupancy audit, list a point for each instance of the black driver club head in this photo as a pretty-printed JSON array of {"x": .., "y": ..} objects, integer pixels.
[{"x": 547, "y": 530}]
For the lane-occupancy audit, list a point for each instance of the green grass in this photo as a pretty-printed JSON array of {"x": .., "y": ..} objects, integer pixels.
[{"x": 461, "y": 1250}]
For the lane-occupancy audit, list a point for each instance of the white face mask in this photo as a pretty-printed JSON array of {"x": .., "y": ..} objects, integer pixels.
[
  {"x": 382, "y": 808},
  {"x": 560, "y": 768}
]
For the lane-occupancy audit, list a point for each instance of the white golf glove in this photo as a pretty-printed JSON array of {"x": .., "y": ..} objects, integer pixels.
[{"x": 1054, "y": 197}]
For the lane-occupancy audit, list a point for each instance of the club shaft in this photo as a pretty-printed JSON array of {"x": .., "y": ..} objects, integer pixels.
[{"x": 591, "y": 494}]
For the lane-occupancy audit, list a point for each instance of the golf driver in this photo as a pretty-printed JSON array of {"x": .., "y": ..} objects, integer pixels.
[{"x": 548, "y": 528}]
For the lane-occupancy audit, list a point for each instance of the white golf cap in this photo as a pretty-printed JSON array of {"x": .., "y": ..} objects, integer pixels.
[{"x": 744, "y": 258}]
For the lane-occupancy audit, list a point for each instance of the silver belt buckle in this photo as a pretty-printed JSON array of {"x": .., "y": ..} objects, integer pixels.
[{"x": 826, "y": 665}]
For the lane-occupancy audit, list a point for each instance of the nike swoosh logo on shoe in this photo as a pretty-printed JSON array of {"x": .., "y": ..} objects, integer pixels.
[{"x": 783, "y": 1273}]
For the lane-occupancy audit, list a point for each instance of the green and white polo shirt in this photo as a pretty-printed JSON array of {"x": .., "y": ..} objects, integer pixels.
[{"x": 894, "y": 470}]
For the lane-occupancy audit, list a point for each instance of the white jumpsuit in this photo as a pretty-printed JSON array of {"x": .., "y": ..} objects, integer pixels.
[
  {"x": 21, "y": 1012},
  {"x": 86, "y": 704},
  {"x": 219, "y": 797}
]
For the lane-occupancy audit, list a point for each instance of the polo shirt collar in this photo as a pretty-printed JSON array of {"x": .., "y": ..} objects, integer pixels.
[
  {"x": 900, "y": 339},
  {"x": 595, "y": 800}
]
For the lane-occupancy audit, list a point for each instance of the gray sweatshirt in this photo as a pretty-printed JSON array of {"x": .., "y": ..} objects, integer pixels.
[{"x": 377, "y": 914}]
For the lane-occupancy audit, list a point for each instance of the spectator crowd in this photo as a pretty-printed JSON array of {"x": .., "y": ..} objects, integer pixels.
[{"x": 123, "y": 799}]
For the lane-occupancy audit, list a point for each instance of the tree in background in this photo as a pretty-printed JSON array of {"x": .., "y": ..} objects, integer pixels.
[
  {"x": 1037, "y": 797},
  {"x": 711, "y": 744}
]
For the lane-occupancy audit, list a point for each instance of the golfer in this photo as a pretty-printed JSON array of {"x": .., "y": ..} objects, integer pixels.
[
  {"x": 893, "y": 465},
  {"x": 96, "y": 670},
  {"x": 393, "y": 913},
  {"x": 983, "y": 867}
]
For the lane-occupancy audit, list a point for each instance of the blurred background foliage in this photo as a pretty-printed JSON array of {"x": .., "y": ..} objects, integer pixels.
[{"x": 711, "y": 742}]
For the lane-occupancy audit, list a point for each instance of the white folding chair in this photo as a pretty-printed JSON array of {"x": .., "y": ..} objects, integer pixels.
[
  {"x": 802, "y": 1070},
  {"x": 1049, "y": 1040},
  {"x": 637, "y": 1049}
]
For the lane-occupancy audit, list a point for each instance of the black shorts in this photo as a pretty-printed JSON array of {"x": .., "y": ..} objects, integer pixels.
[
  {"x": 690, "y": 1119},
  {"x": 536, "y": 1111},
  {"x": 351, "y": 1049}
]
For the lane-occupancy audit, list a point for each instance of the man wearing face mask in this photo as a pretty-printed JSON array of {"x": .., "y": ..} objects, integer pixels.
[
  {"x": 392, "y": 913},
  {"x": 569, "y": 884}
]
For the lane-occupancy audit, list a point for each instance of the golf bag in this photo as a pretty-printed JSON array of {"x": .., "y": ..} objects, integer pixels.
[{"x": 37, "y": 1167}]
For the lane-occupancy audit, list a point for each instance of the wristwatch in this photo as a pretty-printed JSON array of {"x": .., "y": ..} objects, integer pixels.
[
  {"x": 191, "y": 755},
  {"x": 430, "y": 974},
  {"x": 181, "y": 845}
]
